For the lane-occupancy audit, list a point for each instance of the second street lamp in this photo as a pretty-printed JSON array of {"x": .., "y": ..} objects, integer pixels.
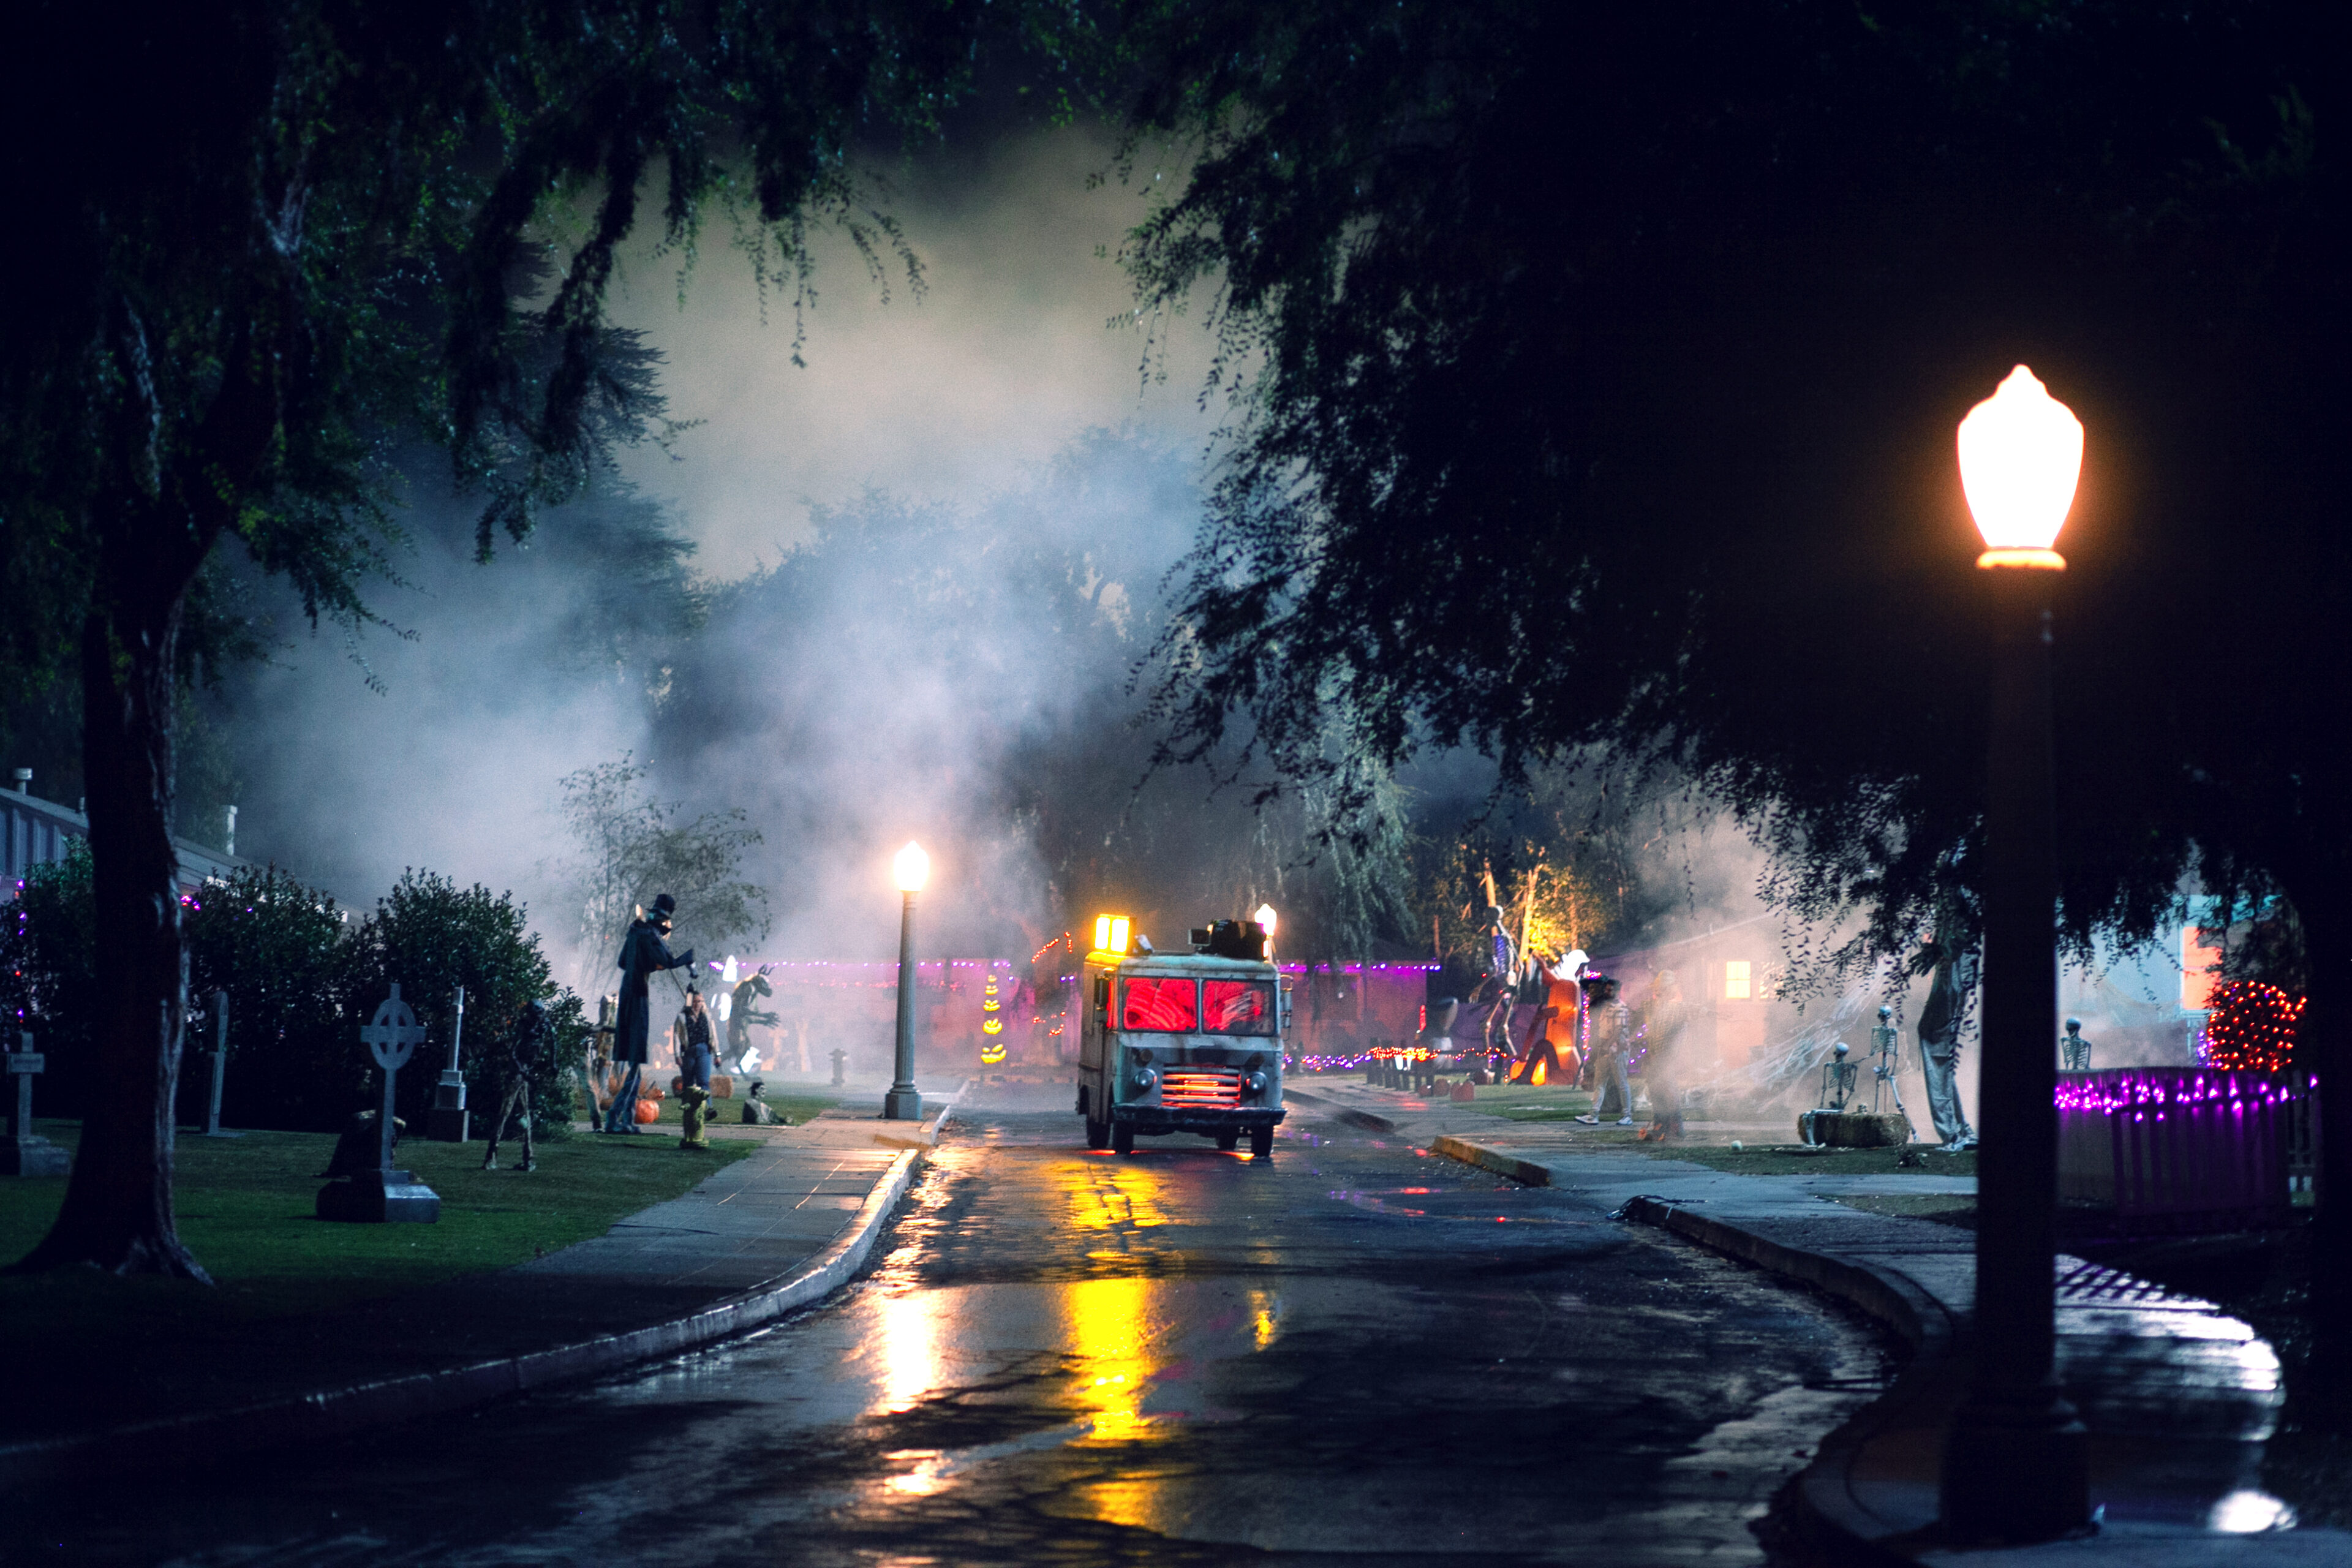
[
  {"x": 2016, "y": 1460},
  {"x": 911, "y": 868}
]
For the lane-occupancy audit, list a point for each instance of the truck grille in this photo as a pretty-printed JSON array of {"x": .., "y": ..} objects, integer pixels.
[{"x": 1200, "y": 1088}]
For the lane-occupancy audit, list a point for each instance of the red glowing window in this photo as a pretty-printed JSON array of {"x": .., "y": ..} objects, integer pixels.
[
  {"x": 1171, "y": 1004},
  {"x": 1238, "y": 1006}
]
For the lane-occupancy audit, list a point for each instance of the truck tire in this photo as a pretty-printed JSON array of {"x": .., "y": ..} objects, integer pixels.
[
  {"x": 1262, "y": 1142},
  {"x": 1122, "y": 1138},
  {"x": 1098, "y": 1134},
  {"x": 1229, "y": 1138}
]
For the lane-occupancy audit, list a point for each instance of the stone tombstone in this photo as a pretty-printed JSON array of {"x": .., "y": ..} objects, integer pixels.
[
  {"x": 385, "y": 1194},
  {"x": 218, "y": 1017},
  {"x": 450, "y": 1120},
  {"x": 21, "y": 1152}
]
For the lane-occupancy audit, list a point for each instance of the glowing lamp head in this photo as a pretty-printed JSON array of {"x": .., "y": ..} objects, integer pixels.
[
  {"x": 1110, "y": 934},
  {"x": 911, "y": 867},
  {"x": 1264, "y": 917},
  {"x": 728, "y": 973},
  {"x": 2021, "y": 457}
]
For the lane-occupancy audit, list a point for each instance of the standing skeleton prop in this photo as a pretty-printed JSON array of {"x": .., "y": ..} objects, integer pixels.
[{"x": 527, "y": 1047}]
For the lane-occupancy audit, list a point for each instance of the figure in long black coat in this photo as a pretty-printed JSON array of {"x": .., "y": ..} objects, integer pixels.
[
  {"x": 1940, "y": 1023},
  {"x": 644, "y": 954}
]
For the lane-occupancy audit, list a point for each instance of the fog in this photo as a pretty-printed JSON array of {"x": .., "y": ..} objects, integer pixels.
[
  {"x": 946, "y": 396},
  {"x": 902, "y": 590},
  {"x": 826, "y": 698}
]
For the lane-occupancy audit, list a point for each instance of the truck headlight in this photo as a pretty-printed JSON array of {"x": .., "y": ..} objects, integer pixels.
[
  {"x": 1145, "y": 1078},
  {"x": 1255, "y": 1083}
]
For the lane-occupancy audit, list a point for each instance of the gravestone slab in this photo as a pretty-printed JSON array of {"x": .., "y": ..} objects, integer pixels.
[
  {"x": 21, "y": 1152},
  {"x": 381, "y": 1197},
  {"x": 450, "y": 1121},
  {"x": 385, "y": 1194}
]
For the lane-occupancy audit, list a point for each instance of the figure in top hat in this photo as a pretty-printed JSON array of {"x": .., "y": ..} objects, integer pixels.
[{"x": 644, "y": 954}]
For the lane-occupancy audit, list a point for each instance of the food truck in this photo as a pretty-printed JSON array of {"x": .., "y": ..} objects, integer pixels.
[{"x": 1186, "y": 1042}]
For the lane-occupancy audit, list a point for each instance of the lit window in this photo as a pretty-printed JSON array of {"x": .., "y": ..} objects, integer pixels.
[{"x": 1739, "y": 983}]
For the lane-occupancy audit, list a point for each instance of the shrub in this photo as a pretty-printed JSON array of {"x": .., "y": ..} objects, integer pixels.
[
  {"x": 432, "y": 937},
  {"x": 51, "y": 967},
  {"x": 279, "y": 950}
]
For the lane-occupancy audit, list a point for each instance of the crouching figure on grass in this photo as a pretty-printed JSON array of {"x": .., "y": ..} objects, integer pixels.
[{"x": 526, "y": 1047}]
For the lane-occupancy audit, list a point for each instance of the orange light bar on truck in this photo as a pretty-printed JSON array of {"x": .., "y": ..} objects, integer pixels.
[{"x": 1110, "y": 934}]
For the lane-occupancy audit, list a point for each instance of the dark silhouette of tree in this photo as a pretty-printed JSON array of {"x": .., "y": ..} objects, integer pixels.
[
  {"x": 279, "y": 238},
  {"x": 1597, "y": 370}
]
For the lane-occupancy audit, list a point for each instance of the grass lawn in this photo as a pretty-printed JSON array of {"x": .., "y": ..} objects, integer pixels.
[
  {"x": 795, "y": 1103},
  {"x": 1523, "y": 1102},
  {"x": 245, "y": 1208}
]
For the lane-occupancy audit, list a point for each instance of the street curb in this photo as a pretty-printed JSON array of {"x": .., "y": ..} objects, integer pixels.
[
  {"x": 1525, "y": 1171},
  {"x": 1819, "y": 1501},
  {"x": 329, "y": 1414},
  {"x": 925, "y": 1135},
  {"x": 1346, "y": 1113}
]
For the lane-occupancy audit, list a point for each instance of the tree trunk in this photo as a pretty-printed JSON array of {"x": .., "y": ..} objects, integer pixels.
[
  {"x": 118, "y": 1206},
  {"x": 2324, "y": 1047}
]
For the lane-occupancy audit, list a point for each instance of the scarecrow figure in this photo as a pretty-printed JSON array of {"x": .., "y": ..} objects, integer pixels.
[{"x": 644, "y": 954}]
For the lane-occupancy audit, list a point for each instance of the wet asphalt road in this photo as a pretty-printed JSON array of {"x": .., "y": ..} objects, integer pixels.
[{"x": 1182, "y": 1357}]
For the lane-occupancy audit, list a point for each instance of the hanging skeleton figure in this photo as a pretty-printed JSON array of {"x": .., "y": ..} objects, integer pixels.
[
  {"x": 527, "y": 1049},
  {"x": 742, "y": 1018}
]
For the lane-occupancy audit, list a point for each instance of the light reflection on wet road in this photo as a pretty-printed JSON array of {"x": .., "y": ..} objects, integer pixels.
[{"x": 1181, "y": 1357}]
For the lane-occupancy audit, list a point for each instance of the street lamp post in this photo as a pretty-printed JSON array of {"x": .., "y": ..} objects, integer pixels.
[
  {"x": 911, "y": 867},
  {"x": 2015, "y": 1461}
]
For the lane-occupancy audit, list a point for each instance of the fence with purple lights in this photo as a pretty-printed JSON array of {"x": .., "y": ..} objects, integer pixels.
[{"x": 2187, "y": 1148}]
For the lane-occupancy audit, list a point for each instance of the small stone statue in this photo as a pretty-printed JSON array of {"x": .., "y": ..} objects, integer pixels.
[{"x": 526, "y": 1047}]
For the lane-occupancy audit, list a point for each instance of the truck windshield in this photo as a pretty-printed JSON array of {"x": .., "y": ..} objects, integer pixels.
[
  {"x": 1238, "y": 1006},
  {"x": 1146, "y": 1002}
]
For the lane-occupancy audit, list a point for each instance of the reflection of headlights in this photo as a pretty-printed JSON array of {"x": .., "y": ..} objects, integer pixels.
[
  {"x": 991, "y": 1026},
  {"x": 989, "y": 1007},
  {"x": 1255, "y": 1083},
  {"x": 1145, "y": 1078}
]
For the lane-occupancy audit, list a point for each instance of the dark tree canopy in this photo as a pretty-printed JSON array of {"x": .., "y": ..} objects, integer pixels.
[
  {"x": 1600, "y": 366},
  {"x": 269, "y": 241}
]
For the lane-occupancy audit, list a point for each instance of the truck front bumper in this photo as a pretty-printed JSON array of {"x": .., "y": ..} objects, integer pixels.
[{"x": 1160, "y": 1119}]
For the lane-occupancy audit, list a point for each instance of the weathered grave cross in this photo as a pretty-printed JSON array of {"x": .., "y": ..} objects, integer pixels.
[
  {"x": 391, "y": 1040},
  {"x": 21, "y": 1154},
  {"x": 22, "y": 1065}
]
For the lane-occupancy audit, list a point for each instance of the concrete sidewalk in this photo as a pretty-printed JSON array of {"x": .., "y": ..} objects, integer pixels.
[
  {"x": 760, "y": 1238},
  {"x": 2178, "y": 1396}
]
